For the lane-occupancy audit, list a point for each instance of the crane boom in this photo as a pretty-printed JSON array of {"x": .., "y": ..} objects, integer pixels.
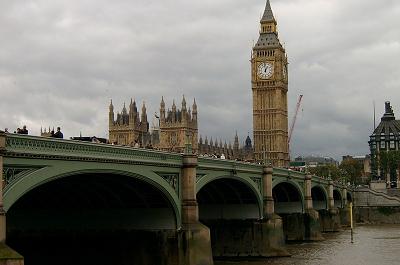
[{"x": 294, "y": 118}]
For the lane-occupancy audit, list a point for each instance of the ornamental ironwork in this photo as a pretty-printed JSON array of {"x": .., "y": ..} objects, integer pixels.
[{"x": 258, "y": 182}]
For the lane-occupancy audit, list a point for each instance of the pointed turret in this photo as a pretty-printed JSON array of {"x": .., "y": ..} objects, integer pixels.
[
  {"x": 111, "y": 115},
  {"x": 389, "y": 114},
  {"x": 111, "y": 107},
  {"x": 183, "y": 103},
  {"x": 132, "y": 114},
  {"x": 236, "y": 146},
  {"x": 144, "y": 113},
  {"x": 268, "y": 15},
  {"x": 173, "y": 112},
  {"x": 162, "y": 111},
  {"x": 143, "y": 120},
  {"x": 184, "y": 117},
  {"x": 194, "y": 112},
  {"x": 268, "y": 31},
  {"x": 206, "y": 149}
]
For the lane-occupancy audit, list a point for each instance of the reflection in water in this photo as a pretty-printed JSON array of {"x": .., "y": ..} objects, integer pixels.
[{"x": 372, "y": 245}]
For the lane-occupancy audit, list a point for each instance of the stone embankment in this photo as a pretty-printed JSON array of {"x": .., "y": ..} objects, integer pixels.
[{"x": 376, "y": 207}]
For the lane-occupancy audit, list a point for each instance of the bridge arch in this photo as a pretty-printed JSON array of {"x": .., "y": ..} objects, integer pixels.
[
  {"x": 337, "y": 197},
  {"x": 219, "y": 197},
  {"x": 288, "y": 196},
  {"x": 319, "y": 197},
  {"x": 50, "y": 173}
]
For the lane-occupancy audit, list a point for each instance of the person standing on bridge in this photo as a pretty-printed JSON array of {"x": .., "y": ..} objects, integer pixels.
[{"x": 59, "y": 134}]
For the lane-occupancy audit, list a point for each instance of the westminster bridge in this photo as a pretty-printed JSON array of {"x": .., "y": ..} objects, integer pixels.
[{"x": 167, "y": 208}]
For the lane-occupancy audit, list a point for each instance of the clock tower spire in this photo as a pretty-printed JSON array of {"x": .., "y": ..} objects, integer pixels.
[{"x": 269, "y": 86}]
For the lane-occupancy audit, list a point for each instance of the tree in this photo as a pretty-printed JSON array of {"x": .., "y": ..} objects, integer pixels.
[
  {"x": 327, "y": 171},
  {"x": 388, "y": 162},
  {"x": 352, "y": 170}
]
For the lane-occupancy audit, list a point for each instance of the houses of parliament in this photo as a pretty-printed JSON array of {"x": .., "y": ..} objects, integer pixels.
[{"x": 179, "y": 126}]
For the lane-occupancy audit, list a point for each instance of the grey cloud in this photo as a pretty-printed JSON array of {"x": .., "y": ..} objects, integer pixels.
[{"x": 61, "y": 62}]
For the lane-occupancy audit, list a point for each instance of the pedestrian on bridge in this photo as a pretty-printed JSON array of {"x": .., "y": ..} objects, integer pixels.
[{"x": 58, "y": 134}]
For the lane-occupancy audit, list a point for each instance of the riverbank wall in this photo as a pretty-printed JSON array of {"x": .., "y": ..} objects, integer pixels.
[{"x": 374, "y": 207}]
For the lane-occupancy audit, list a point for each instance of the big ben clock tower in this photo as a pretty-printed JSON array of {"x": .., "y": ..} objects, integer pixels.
[{"x": 269, "y": 79}]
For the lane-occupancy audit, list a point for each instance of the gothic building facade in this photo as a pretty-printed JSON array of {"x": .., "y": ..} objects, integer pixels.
[
  {"x": 128, "y": 128},
  {"x": 178, "y": 127},
  {"x": 235, "y": 152},
  {"x": 269, "y": 79}
]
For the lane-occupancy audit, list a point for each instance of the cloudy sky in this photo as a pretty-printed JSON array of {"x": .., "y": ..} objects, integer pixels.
[{"x": 62, "y": 61}]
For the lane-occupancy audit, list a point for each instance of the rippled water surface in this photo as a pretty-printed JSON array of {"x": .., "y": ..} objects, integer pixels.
[{"x": 373, "y": 245}]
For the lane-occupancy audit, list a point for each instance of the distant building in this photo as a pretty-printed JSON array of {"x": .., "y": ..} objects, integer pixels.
[
  {"x": 176, "y": 128},
  {"x": 314, "y": 161},
  {"x": 128, "y": 128},
  {"x": 46, "y": 132},
  {"x": 365, "y": 162},
  {"x": 386, "y": 137},
  {"x": 229, "y": 151}
]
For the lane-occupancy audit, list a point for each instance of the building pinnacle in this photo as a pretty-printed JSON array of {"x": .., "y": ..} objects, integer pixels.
[{"x": 268, "y": 16}]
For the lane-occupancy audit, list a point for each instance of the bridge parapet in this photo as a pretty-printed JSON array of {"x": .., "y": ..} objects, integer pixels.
[
  {"x": 51, "y": 148},
  {"x": 230, "y": 165}
]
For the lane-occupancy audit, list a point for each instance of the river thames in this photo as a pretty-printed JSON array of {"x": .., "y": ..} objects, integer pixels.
[{"x": 372, "y": 245}]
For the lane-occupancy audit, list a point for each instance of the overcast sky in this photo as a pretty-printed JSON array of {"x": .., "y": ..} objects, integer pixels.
[{"x": 62, "y": 61}]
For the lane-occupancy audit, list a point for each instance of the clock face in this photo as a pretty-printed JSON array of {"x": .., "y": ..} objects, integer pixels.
[{"x": 265, "y": 70}]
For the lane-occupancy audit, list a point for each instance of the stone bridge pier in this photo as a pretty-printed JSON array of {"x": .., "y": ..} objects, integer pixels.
[
  {"x": 240, "y": 224},
  {"x": 194, "y": 238},
  {"x": 7, "y": 255},
  {"x": 301, "y": 220},
  {"x": 330, "y": 218}
]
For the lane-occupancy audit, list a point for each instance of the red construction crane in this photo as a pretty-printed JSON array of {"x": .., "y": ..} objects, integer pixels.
[{"x": 294, "y": 119}]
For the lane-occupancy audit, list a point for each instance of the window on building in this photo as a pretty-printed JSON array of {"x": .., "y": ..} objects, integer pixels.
[
  {"x": 392, "y": 145},
  {"x": 373, "y": 145},
  {"x": 383, "y": 145}
]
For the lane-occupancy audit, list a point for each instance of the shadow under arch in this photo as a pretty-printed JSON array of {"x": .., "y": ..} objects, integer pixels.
[
  {"x": 319, "y": 197},
  {"x": 288, "y": 197},
  {"x": 337, "y": 197},
  {"x": 49, "y": 174},
  {"x": 228, "y": 197},
  {"x": 102, "y": 218}
]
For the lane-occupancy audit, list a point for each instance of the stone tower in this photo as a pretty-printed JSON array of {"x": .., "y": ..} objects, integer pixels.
[
  {"x": 128, "y": 128},
  {"x": 269, "y": 79},
  {"x": 178, "y": 127}
]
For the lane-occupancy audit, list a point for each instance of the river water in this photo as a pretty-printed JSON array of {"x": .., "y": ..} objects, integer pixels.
[{"x": 373, "y": 245}]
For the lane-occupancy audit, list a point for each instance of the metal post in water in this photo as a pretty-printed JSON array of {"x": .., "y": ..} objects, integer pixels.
[{"x": 351, "y": 221}]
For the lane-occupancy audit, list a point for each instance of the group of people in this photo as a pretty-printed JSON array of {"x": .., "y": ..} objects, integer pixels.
[
  {"x": 19, "y": 130},
  {"x": 57, "y": 134}
]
